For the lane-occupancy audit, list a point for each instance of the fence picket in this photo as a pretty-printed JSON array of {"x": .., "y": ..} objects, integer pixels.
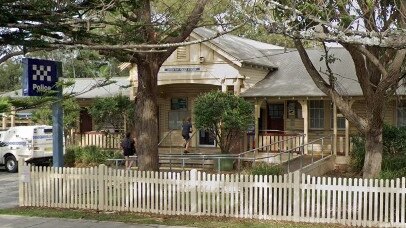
[
  {"x": 351, "y": 202},
  {"x": 398, "y": 210},
  {"x": 365, "y": 198},
  {"x": 266, "y": 197},
  {"x": 386, "y": 202},
  {"x": 392, "y": 201},
  {"x": 357, "y": 202},
  {"x": 403, "y": 202},
  {"x": 241, "y": 195},
  {"x": 251, "y": 200}
]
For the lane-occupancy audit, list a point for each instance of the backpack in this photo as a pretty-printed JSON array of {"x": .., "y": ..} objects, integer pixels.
[{"x": 127, "y": 144}]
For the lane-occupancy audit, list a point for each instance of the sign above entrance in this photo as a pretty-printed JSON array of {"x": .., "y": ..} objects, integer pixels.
[
  {"x": 182, "y": 69},
  {"x": 39, "y": 76}
]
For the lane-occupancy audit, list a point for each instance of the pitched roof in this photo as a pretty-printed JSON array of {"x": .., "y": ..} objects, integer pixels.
[
  {"x": 292, "y": 80},
  {"x": 242, "y": 49},
  {"x": 89, "y": 88}
]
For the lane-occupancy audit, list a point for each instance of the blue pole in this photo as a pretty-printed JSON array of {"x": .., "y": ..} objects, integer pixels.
[{"x": 57, "y": 126}]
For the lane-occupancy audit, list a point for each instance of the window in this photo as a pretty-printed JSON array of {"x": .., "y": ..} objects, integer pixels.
[
  {"x": 401, "y": 114},
  {"x": 178, "y": 113},
  {"x": 294, "y": 109},
  {"x": 340, "y": 118},
  {"x": 178, "y": 104},
  {"x": 276, "y": 110},
  {"x": 176, "y": 119},
  {"x": 316, "y": 109}
]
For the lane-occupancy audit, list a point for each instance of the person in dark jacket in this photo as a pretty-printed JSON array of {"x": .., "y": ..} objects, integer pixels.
[
  {"x": 128, "y": 146},
  {"x": 186, "y": 130}
]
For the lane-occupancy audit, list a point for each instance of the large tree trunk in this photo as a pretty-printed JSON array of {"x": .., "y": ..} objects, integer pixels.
[
  {"x": 146, "y": 116},
  {"x": 373, "y": 136},
  {"x": 373, "y": 153}
]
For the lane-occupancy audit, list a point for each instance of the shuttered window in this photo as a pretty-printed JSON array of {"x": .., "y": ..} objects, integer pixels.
[{"x": 182, "y": 54}]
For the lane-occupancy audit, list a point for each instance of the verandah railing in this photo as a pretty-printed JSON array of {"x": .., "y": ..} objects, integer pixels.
[
  {"x": 99, "y": 139},
  {"x": 291, "y": 197}
]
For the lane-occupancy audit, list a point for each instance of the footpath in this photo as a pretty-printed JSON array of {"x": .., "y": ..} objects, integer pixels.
[{"x": 15, "y": 221}]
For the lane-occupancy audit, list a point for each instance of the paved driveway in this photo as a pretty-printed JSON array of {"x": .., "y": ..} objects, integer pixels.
[{"x": 8, "y": 189}]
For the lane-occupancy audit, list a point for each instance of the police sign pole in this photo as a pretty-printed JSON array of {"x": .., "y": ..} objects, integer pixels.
[{"x": 40, "y": 78}]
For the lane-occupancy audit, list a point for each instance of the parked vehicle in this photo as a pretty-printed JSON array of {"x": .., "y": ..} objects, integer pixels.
[{"x": 32, "y": 143}]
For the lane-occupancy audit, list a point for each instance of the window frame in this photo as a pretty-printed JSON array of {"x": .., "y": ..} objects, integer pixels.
[
  {"x": 181, "y": 112},
  {"x": 401, "y": 105},
  {"x": 321, "y": 112},
  {"x": 339, "y": 118}
]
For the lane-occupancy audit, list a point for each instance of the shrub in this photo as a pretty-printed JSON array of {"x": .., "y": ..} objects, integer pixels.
[
  {"x": 357, "y": 154},
  {"x": 70, "y": 157},
  {"x": 89, "y": 156},
  {"x": 392, "y": 174},
  {"x": 394, "y": 152},
  {"x": 263, "y": 168},
  {"x": 224, "y": 115}
]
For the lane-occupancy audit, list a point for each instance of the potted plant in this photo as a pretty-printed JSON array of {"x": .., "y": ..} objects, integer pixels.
[{"x": 226, "y": 117}]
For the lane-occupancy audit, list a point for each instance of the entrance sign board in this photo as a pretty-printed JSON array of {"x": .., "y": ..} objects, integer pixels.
[{"x": 39, "y": 76}]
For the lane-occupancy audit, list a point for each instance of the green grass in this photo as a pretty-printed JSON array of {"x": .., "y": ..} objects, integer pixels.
[{"x": 138, "y": 218}]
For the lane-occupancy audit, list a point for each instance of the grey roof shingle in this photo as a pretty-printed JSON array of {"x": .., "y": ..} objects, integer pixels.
[
  {"x": 244, "y": 50},
  {"x": 87, "y": 88},
  {"x": 292, "y": 80}
]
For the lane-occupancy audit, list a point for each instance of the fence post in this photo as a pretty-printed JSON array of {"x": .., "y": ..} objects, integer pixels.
[
  {"x": 21, "y": 199},
  {"x": 100, "y": 184},
  {"x": 193, "y": 194},
  {"x": 296, "y": 196}
]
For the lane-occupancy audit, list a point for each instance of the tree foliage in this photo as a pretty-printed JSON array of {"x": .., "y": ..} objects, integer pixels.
[
  {"x": 117, "y": 111},
  {"x": 223, "y": 115},
  {"x": 71, "y": 111},
  {"x": 371, "y": 31},
  {"x": 10, "y": 76}
]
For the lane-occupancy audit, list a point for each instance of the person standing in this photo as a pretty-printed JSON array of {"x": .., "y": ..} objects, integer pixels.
[
  {"x": 128, "y": 146},
  {"x": 186, "y": 130}
]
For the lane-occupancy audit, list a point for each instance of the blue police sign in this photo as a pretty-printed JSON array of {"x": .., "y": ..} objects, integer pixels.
[{"x": 40, "y": 76}]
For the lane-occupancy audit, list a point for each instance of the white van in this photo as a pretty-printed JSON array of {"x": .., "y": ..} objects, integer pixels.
[{"x": 32, "y": 143}]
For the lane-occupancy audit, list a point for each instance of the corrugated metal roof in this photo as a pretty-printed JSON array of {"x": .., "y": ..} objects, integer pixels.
[
  {"x": 292, "y": 80},
  {"x": 90, "y": 88},
  {"x": 246, "y": 51}
]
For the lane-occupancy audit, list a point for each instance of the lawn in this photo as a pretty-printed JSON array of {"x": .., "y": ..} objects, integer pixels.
[{"x": 138, "y": 218}]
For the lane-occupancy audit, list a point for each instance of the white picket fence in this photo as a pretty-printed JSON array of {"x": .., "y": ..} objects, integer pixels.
[{"x": 293, "y": 197}]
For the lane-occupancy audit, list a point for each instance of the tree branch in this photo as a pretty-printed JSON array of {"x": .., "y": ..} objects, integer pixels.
[
  {"x": 360, "y": 70},
  {"x": 136, "y": 47},
  {"x": 372, "y": 58},
  {"x": 10, "y": 55},
  {"x": 394, "y": 72},
  {"x": 344, "y": 107},
  {"x": 395, "y": 39}
]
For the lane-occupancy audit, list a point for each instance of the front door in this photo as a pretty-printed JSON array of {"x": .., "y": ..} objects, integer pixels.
[
  {"x": 275, "y": 117},
  {"x": 206, "y": 139},
  {"x": 85, "y": 121}
]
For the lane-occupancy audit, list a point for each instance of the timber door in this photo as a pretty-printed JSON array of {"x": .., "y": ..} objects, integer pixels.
[
  {"x": 275, "y": 117},
  {"x": 206, "y": 139},
  {"x": 85, "y": 121}
]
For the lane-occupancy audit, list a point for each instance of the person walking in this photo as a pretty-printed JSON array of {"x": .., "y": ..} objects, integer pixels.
[
  {"x": 128, "y": 146},
  {"x": 186, "y": 130}
]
